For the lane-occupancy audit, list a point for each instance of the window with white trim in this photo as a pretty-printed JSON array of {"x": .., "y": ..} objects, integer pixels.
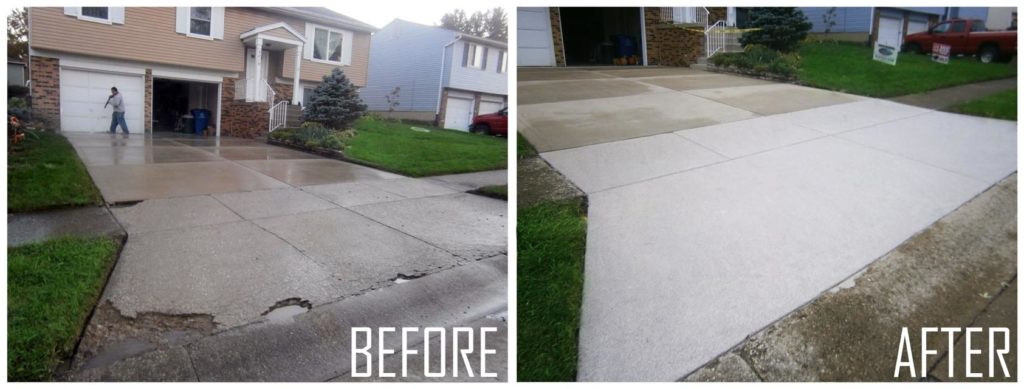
[
  {"x": 327, "y": 44},
  {"x": 503, "y": 62},
  {"x": 100, "y": 13},
  {"x": 474, "y": 56},
  {"x": 200, "y": 20}
]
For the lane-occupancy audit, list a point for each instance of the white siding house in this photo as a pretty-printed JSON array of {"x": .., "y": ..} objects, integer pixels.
[{"x": 441, "y": 76}]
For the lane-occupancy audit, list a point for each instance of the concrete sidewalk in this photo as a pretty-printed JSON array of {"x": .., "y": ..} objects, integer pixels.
[
  {"x": 945, "y": 98},
  {"x": 699, "y": 236}
]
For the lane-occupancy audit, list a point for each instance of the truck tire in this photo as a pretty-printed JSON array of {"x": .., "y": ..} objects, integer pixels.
[
  {"x": 988, "y": 54},
  {"x": 480, "y": 129}
]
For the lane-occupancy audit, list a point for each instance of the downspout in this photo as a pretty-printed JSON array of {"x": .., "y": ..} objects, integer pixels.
[{"x": 440, "y": 79}]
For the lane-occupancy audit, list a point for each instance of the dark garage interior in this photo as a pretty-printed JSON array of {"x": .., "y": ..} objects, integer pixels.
[
  {"x": 173, "y": 101},
  {"x": 601, "y": 36}
]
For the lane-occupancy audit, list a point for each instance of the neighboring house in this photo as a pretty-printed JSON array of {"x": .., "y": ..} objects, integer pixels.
[
  {"x": 442, "y": 76},
  {"x": 892, "y": 24},
  {"x": 586, "y": 36},
  {"x": 16, "y": 70},
  {"x": 236, "y": 62}
]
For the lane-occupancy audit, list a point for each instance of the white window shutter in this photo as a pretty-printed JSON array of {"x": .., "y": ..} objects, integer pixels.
[
  {"x": 346, "y": 48},
  {"x": 307, "y": 51},
  {"x": 217, "y": 22},
  {"x": 181, "y": 25},
  {"x": 116, "y": 15},
  {"x": 73, "y": 11}
]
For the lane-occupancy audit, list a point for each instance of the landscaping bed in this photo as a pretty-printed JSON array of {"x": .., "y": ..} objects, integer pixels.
[
  {"x": 44, "y": 172},
  {"x": 411, "y": 150},
  {"x": 849, "y": 67},
  {"x": 1002, "y": 105},
  {"x": 52, "y": 288}
]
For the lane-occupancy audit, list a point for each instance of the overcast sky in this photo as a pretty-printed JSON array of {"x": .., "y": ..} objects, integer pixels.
[{"x": 380, "y": 13}]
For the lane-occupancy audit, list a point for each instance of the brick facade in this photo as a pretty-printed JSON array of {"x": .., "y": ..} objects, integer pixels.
[
  {"x": 45, "y": 90},
  {"x": 669, "y": 44},
  {"x": 148, "y": 102},
  {"x": 441, "y": 110},
  {"x": 284, "y": 92},
  {"x": 556, "y": 36},
  {"x": 239, "y": 118}
]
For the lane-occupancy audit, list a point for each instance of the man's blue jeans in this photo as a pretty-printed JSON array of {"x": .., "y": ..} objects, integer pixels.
[{"x": 117, "y": 119}]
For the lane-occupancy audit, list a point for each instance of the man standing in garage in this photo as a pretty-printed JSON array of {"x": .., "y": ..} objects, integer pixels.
[{"x": 117, "y": 102}]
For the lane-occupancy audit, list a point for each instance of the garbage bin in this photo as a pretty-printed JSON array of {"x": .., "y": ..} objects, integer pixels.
[
  {"x": 202, "y": 117},
  {"x": 624, "y": 46}
]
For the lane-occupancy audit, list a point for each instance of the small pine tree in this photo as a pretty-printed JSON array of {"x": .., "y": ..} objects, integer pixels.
[
  {"x": 780, "y": 28},
  {"x": 335, "y": 103}
]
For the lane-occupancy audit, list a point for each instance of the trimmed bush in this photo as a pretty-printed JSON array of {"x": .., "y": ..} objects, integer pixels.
[
  {"x": 336, "y": 103},
  {"x": 17, "y": 91},
  {"x": 779, "y": 28},
  {"x": 759, "y": 60}
]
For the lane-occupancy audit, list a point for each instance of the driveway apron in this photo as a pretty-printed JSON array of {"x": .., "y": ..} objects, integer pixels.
[
  {"x": 701, "y": 233},
  {"x": 231, "y": 229}
]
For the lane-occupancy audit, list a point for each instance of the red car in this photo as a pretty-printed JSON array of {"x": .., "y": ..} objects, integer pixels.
[{"x": 491, "y": 123}]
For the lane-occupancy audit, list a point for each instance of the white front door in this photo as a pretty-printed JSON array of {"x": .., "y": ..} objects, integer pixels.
[
  {"x": 458, "y": 114},
  {"x": 533, "y": 32},
  {"x": 256, "y": 87},
  {"x": 83, "y": 94}
]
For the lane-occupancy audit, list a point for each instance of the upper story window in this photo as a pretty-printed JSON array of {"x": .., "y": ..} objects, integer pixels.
[
  {"x": 200, "y": 20},
  {"x": 475, "y": 56},
  {"x": 102, "y": 13},
  {"x": 327, "y": 44},
  {"x": 503, "y": 62}
]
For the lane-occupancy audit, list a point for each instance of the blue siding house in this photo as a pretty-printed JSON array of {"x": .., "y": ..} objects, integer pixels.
[{"x": 435, "y": 74}]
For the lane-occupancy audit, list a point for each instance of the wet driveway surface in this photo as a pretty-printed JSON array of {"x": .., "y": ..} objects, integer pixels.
[
  {"x": 229, "y": 230},
  {"x": 719, "y": 204}
]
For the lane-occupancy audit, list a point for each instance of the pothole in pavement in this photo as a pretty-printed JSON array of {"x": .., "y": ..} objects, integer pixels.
[
  {"x": 111, "y": 336},
  {"x": 284, "y": 311},
  {"x": 402, "y": 278}
]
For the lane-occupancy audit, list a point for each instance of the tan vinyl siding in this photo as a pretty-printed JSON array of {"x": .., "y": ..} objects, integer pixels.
[
  {"x": 281, "y": 33},
  {"x": 148, "y": 35}
]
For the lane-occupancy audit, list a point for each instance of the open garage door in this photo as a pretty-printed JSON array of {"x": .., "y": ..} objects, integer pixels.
[{"x": 83, "y": 93}]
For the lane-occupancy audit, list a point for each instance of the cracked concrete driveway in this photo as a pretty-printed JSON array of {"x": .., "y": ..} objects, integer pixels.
[
  {"x": 232, "y": 229},
  {"x": 718, "y": 204}
]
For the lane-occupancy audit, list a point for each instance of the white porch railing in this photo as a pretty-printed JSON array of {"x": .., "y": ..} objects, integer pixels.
[
  {"x": 714, "y": 38},
  {"x": 278, "y": 115},
  {"x": 270, "y": 92}
]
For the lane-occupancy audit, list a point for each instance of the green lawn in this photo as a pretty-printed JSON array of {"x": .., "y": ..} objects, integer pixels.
[
  {"x": 396, "y": 147},
  {"x": 552, "y": 241},
  {"x": 1002, "y": 105},
  {"x": 51, "y": 288},
  {"x": 523, "y": 148},
  {"x": 44, "y": 172},
  {"x": 495, "y": 191},
  {"x": 849, "y": 68}
]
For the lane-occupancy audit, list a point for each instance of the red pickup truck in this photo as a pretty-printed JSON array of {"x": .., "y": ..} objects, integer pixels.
[{"x": 965, "y": 36}]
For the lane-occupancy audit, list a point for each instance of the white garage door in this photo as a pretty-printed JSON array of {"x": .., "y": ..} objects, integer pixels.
[
  {"x": 82, "y": 94},
  {"x": 533, "y": 32},
  {"x": 458, "y": 114},
  {"x": 490, "y": 106},
  {"x": 915, "y": 26},
  {"x": 890, "y": 31}
]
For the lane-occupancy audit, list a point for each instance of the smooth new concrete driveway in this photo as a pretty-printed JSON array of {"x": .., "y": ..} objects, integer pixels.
[
  {"x": 700, "y": 235},
  {"x": 234, "y": 228}
]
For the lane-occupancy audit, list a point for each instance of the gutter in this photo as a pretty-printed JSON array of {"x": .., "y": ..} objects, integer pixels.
[{"x": 440, "y": 79}]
